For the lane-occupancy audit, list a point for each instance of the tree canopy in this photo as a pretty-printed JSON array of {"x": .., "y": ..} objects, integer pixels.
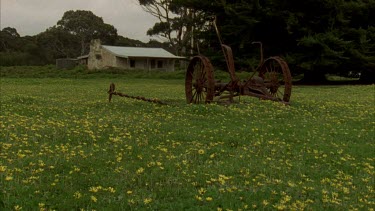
[
  {"x": 87, "y": 26},
  {"x": 315, "y": 36}
]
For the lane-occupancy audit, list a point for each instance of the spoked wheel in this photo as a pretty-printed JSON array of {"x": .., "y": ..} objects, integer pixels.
[
  {"x": 199, "y": 81},
  {"x": 277, "y": 78}
]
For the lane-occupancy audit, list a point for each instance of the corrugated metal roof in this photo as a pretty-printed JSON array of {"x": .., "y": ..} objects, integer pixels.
[{"x": 127, "y": 52}]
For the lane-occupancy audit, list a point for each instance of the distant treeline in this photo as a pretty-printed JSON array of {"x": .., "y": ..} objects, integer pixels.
[
  {"x": 315, "y": 37},
  {"x": 69, "y": 38}
]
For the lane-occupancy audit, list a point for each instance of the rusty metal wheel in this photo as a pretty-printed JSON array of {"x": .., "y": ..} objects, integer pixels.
[
  {"x": 277, "y": 78},
  {"x": 199, "y": 81}
]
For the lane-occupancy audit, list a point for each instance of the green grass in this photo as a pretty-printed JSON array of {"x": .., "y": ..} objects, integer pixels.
[
  {"x": 64, "y": 147},
  {"x": 80, "y": 72}
]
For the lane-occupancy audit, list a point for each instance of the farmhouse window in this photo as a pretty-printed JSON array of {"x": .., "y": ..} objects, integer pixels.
[
  {"x": 160, "y": 64},
  {"x": 132, "y": 63},
  {"x": 153, "y": 64}
]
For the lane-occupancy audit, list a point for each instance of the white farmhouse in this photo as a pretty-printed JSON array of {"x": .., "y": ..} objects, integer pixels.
[{"x": 105, "y": 56}]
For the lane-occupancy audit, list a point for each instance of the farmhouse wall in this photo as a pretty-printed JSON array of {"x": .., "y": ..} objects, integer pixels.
[
  {"x": 122, "y": 62},
  {"x": 170, "y": 65},
  {"x": 108, "y": 59},
  {"x": 99, "y": 57},
  {"x": 167, "y": 64},
  {"x": 140, "y": 63}
]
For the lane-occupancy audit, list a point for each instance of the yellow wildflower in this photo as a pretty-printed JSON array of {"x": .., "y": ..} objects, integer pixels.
[
  {"x": 110, "y": 189},
  {"x": 140, "y": 170},
  {"x": 17, "y": 207},
  {"x": 265, "y": 202},
  {"x": 41, "y": 205},
  {"x": 147, "y": 200},
  {"x": 94, "y": 199},
  {"x": 201, "y": 191},
  {"x": 198, "y": 198},
  {"x": 77, "y": 195}
]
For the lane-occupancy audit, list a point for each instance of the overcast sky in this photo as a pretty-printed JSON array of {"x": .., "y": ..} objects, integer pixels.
[{"x": 31, "y": 17}]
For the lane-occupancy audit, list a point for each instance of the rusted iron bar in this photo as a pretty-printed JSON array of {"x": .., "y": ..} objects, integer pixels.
[{"x": 112, "y": 92}]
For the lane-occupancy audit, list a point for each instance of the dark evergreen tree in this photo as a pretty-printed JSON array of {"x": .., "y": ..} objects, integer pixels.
[
  {"x": 10, "y": 40},
  {"x": 56, "y": 42},
  {"x": 87, "y": 26},
  {"x": 316, "y": 37}
]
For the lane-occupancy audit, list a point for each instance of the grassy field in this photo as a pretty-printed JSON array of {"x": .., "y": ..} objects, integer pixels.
[{"x": 64, "y": 147}]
